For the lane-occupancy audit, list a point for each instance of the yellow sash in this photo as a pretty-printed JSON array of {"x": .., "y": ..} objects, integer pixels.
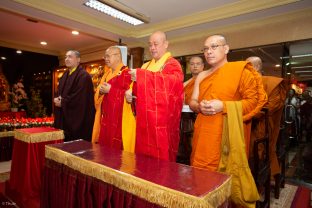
[
  {"x": 128, "y": 127},
  {"x": 233, "y": 157},
  {"x": 156, "y": 66}
]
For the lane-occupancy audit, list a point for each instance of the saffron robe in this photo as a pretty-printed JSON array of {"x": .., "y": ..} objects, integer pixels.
[
  {"x": 76, "y": 114},
  {"x": 112, "y": 110},
  {"x": 234, "y": 81},
  {"x": 188, "y": 90},
  {"x": 108, "y": 74},
  {"x": 276, "y": 91},
  {"x": 158, "y": 109}
]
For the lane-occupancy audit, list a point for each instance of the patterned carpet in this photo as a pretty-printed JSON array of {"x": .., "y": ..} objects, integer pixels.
[{"x": 287, "y": 195}]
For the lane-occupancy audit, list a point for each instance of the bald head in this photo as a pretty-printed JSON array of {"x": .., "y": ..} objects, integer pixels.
[
  {"x": 256, "y": 63},
  {"x": 112, "y": 57},
  {"x": 158, "y": 44}
]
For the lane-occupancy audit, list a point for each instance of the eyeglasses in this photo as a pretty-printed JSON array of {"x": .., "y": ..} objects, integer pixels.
[
  {"x": 212, "y": 47},
  {"x": 107, "y": 56}
]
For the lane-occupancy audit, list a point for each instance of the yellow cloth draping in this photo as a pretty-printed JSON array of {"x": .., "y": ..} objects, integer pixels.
[
  {"x": 156, "y": 66},
  {"x": 233, "y": 158},
  {"x": 7, "y": 134},
  {"x": 38, "y": 137},
  {"x": 128, "y": 127}
]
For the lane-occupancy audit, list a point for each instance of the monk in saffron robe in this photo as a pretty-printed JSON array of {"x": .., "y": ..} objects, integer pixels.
[
  {"x": 74, "y": 105},
  {"x": 158, "y": 93},
  {"x": 223, "y": 82},
  {"x": 112, "y": 107},
  {"x": 275, "y": 88},
  {"x": 196, "y": 66}
]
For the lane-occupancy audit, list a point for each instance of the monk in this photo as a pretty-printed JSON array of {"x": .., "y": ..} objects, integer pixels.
[
  {"x": 74, "y": 105},
  {"x": 158, "y": 98},
  {"x": 275, "y": 88},
  {"x": 196, "y": 66},
  {"x": 116, "y": 81},
  {"x": 216, "y": 91}
]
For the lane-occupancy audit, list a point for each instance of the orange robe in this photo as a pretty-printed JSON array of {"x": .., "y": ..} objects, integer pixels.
[
  {"x": 188, "y": 91},
  {"x": 234, "y": 81},
  {"x": 276, "y": 90}
]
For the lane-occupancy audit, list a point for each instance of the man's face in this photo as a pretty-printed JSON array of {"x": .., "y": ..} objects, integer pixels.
[
  {"x": 111, "y": 58},
  {"x": 215, "y": 50},
  {"x": 196, "y": 65},
  {"x": 157, "y": 46},
  {"x": 71, "y": 60}
]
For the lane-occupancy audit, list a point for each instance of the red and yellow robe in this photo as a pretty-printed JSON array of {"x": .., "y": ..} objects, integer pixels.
[
  {"x": 234, "y": 81},
  {"x": 112, "y": 110},
  {"x": 188, "y": 90},
  {"x": 159, "y": 91}
]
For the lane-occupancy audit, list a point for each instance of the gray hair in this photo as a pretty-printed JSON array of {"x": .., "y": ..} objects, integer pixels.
[{"x": 77, "y": 53}]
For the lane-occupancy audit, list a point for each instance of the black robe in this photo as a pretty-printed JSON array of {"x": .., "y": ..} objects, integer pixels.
[{"x": 76, "y": 114}]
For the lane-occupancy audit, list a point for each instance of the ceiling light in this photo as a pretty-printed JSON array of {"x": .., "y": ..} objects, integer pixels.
[
  {"x": 74, "y": 32},
  {"x": 277, "y": 65},
  {"x": 19, "y": 51},
  {"x": 288, "y": 73},
  {"x": 303, "y": 55},
  {"x": 3, "y": 58},
  {"x": 300, "y": 67},
  {"x": 43, "y": 43},
  {"x": 118, "y": 11},
  {"x": 287, "y": 63}
]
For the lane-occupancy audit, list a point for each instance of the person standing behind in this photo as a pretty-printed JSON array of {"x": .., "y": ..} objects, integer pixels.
[
  {"x": 225, "y": 96},
  {"x": 158, "y": 93},
  {"x": 117, "y": 125},
  {"x": 275, "y": 88},
  {"x": 196, "y": 66},
  {"x": 74, "y": 106}
]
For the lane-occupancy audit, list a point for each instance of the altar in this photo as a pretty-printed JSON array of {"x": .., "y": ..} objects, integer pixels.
[{"x": 82, "y": 174}]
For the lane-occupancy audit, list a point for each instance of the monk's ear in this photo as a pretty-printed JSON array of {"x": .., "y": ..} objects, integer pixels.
[{"x": 226, "y": 49}]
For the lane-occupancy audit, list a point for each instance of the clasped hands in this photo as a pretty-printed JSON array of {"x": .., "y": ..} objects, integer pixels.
[
  {"x": 104, "y": 88},
  {"x": 58, "y": 101},
  {"x": 210, "y": 107}
]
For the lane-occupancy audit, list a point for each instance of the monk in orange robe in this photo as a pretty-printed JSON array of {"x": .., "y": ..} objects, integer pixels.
[
  {"x": 223, "y": 82},
  {"x": 275, "y": 88},
  {"x": 196, "y": 66},
  {"x": 158, "y": 93},
  {"x": 113, "y": 89}
]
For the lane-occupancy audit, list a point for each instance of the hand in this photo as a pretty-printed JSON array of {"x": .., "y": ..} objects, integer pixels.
[
  {"x": 128, "y": 96},
  {"x": 58, "y": 101},
  {"x": 211, "y": 107},
  {"x": 132, "y": 72},
  {"x": 104, "y": 88}
]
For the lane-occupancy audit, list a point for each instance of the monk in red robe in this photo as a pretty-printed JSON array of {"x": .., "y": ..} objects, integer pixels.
[
  {"x": 275, "y": 88},
  {"x": 113, "y": 89},
  {"x": 158, "y": 93},
  {"x": 223, "y": 82},
  {"x": 74, "y": 105},
  {"x": 196, "y": 66}
]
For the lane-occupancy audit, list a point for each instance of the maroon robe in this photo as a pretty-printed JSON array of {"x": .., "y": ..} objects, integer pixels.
[{"x": 76, "y": 114}]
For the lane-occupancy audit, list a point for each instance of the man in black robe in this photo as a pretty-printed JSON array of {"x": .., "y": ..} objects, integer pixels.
[{"x": 74, "y": 106}]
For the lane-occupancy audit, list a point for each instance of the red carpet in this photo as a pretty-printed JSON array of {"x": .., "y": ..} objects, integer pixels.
[{"x": 302, "y": 198}]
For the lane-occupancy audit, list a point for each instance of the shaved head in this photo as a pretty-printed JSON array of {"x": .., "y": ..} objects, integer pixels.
[
  {"x": 256, "y": 63},
  {"x": 158, "y": 44},
  {"x": 112, "y": 57}
]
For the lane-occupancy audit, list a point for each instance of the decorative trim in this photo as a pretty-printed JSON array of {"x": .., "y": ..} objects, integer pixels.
[
  {"x": 7, "y": 134},
  {"x": 38, "y": 137},
  {"x": 147, "y": 190}
]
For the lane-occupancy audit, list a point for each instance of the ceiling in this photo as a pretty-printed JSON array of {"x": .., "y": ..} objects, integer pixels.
[{"x": 24, "y": 23}]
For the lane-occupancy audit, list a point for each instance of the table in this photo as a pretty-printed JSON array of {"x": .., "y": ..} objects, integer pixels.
[
  {"x": 24, "y": 186},
  {"x": 6, "y": 145},
  {"x": 82, "y": 174}
]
